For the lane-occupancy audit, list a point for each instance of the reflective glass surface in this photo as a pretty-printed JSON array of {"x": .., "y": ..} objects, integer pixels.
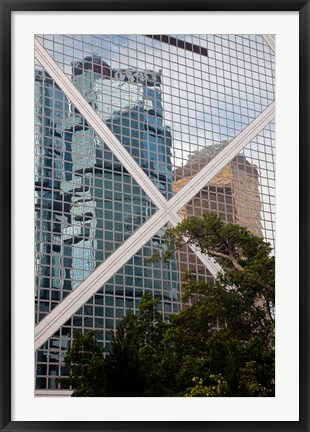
[
  {"x": 209, "y": 90},
  {"x": 243, "y": 191},
  {"x": 86, "y": 203},
  {"x": 173, "y": 102},
  {"x": 121, "y": 294}
]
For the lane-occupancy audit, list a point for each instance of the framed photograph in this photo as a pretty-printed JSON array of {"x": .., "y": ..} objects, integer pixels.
[{"x": 154, "y": 199}]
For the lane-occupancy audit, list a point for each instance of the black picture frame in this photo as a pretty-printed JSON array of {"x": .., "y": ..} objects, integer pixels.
[{"x": 7, "y": 7}]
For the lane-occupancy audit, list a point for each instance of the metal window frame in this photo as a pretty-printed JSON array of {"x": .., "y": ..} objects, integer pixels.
[{"x": 167, "y": 210}]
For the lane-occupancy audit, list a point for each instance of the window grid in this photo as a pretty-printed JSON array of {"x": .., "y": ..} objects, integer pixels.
[
  {"x": 173, "y": 110},
  {"x": 206, "y": 99},
  {"x": 86, "y": 204},
  {"x": 121, "y": 294},
  {"x": 243, "y": 191}
]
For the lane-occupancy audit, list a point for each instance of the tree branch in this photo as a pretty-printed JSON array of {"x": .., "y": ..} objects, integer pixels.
[{"x": 240, "y": 269}]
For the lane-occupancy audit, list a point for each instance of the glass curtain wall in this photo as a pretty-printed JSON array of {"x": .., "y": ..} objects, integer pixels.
[{"x": 174, "y": 103}]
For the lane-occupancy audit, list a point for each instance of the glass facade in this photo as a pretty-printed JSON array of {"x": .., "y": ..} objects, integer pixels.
[{"x": 174, "y": 104}]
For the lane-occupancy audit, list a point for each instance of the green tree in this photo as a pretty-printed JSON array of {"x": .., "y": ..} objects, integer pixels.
[
  {"x": 220, "y": 335},
  {"x": 245, "y": 258},
  {"x": 131, "y": 366},
  {"x": 222, "y": 345},
  {"x": 229, "y": 331},
  {"x": 218, "y": 388},
  {"x": 86, "y": 366}
]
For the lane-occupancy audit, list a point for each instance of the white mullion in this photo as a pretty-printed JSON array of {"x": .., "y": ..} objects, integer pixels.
[{"x": 53, "y": 393}]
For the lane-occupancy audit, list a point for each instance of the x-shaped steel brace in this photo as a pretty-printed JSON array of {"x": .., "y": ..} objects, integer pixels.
[{"x": 167, "y": 209}]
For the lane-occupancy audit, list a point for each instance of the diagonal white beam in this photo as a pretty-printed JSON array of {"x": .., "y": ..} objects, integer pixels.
[
  {"x": 64, "y": 310},
  {"x": 104, "y": 132},
  {"x": 77, "y": 298},
  {"x": 210, "y": 263},
  {"x": 200, "y": 180},
  {"x": 98, "y": 125},
  {"x": 270, "y": 39},
  {"x": 168, "y": 211}
]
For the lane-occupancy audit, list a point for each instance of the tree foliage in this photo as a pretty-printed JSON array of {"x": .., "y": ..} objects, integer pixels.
[
  {"x": 245, "y": 258},
  {"x": 222, "y": 345},
  {"x": 86, "y": 365},
  {"x": 218, "y": 388}
]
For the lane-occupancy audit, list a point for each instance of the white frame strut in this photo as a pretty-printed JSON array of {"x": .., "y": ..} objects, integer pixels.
[
  {"x": 270, "y": 41},
  {"x": 167, "y": 210}
]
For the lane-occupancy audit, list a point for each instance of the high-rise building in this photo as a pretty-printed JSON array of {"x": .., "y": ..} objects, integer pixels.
[
  {"x": 96, "y": 205},
  {"x": 233, "y": 194},
  {"x": 51, "y": 154},
  {"x": 127, "y": 130}
]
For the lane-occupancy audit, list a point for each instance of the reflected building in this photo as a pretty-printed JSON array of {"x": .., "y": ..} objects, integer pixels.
[
  {"x": 87, "y": 204},
  {"x": 233, "y": 194},
  {"x": 129, "y": 102},
  {"x": 51, "y": 163}
]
